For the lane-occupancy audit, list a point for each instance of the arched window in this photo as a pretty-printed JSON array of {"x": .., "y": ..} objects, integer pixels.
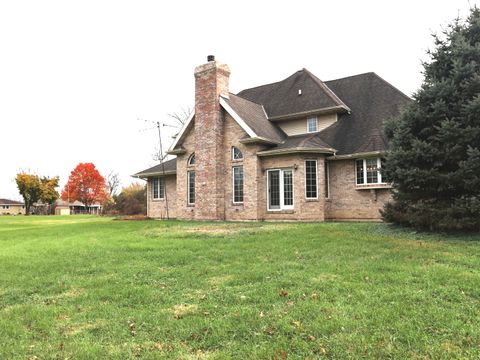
[
  {"x": 236, "y": 153},
  {"x": 191, "y": 160}
]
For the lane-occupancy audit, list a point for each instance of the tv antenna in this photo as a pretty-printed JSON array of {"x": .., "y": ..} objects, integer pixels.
[{"x": 161, "y": 157}]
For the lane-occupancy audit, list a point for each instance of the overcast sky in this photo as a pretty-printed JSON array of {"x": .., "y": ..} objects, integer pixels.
[{"x": 76, "y": 75}]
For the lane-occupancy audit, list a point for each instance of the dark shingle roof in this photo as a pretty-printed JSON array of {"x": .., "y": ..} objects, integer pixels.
[
  {"x": 282, "y": 98},
  {"x": 254, "y": 116},
  {"x": 170, "y": 167},
  {"x": 369, "y": 99},
  {"x": 305, "y": 141},
  {"x": 372, "y": 101},
  {"x": 10, "y": 202}
]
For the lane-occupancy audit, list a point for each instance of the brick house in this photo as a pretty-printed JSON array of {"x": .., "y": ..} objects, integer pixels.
[{"x": 297, "y": 149}]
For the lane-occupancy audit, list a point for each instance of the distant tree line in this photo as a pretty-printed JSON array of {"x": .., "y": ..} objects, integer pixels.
[{"x": 85, "y": 184}]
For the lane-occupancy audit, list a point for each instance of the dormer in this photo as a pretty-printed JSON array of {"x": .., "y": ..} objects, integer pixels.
[
  {"x": 307, "y": 124},
  {"x": 300, "y": 104}
]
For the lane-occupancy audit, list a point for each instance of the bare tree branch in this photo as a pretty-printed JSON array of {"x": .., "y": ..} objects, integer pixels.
[
  {"x": 181, "y": 116},
  {"x": 113, "y": 182}
]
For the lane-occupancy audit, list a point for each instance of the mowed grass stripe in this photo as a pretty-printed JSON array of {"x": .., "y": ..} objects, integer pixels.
[{"x": 90, "y": 287}]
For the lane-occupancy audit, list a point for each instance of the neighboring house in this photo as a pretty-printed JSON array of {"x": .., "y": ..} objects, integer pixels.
[
  {"x": 11, "y": 207},
  {"x": 62, "y": 207},
  {"x": 297, "y": 149}
]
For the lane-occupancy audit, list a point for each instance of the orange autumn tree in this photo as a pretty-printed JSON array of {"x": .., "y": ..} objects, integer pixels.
[{"x": 86, "y": 185}]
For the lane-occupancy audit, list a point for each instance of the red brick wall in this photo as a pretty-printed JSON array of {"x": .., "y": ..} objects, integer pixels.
[
  {"x": 303, "y": 209},
  {"x": 156, "y": 208},
  {"x": 346, "y": 201},
  {"x": 185, "y": 211},
  {"x": 211, "y": 80},
  {"x": 251, "y": 165}
]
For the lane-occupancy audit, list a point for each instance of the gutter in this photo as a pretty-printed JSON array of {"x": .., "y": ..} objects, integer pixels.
[
  {"x": 296, "y": 151},
  {"x": 259, "y": 139},
  {"x": 310, "y": 112},
  {"x": 357, "y": 155},
  {"x": 146, "y": 175},
  {"x": 179, "y": 151}
]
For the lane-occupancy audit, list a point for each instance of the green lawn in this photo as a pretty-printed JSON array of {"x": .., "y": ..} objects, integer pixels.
[{"x": 91, "y": 288}]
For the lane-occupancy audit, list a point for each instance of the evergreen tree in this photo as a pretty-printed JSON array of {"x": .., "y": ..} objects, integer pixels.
[{"x": 434, "y": 158}]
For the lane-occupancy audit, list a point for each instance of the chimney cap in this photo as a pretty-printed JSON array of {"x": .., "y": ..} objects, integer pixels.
[{"x": 210, "y": 58}]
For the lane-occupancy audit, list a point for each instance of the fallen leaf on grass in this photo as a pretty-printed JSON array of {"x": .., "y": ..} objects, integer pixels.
[
  {"x": 283, "y": 293},
  {"x": 131, "y": 327},
  {"x": 270, "y": 330}
]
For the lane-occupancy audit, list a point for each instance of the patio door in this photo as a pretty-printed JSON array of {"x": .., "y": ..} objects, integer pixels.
[{"x": 280, "y": 189}]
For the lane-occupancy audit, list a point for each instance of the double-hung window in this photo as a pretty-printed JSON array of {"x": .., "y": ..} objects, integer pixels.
[
  {"x": 368, "y": 171},
  {"x": 280, "y": 189},
  {"x": 237, "y": 184},
  {"x": 191, "y": 187},
  {"x": 312, "y": 124},
  {"x": 311, "y": 179},
  {"x": 158, "y": 188}
]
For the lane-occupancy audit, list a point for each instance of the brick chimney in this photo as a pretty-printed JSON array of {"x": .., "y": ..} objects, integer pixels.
[{"x": 211, "y": 81}]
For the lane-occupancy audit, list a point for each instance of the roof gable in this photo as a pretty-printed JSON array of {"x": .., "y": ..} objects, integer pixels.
[
  {"x": 373, "y": 101},
  {"x": 252, "y": 116},
  {"x": 300, "y": 93}
]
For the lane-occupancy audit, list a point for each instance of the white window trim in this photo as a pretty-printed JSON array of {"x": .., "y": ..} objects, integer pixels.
[
  {"x": 192, "y": 155},
  {"x": 316, "y": 178},
  {"x": 282, "y": 190},
  {"x": 153, "y": 188},
  {"x": 188, "y": 188},
  {"x": 233, "y": 184},
  {"x": 379, "y": 167},
  {"x": 316, "y": 124}
]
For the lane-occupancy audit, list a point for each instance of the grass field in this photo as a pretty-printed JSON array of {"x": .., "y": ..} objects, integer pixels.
[{"x": 93, "y": 288}]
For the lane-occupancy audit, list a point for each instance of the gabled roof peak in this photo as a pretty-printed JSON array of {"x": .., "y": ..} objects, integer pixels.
[{"x": 301, "y": 92}]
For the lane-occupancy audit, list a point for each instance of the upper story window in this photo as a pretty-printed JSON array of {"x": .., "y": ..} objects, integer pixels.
[
  {"x": 368, "y": 171},
  {"x": 236, "y": 153},
  {"x": 191, "y": 160},
  {"x": 312, "y": 124}
]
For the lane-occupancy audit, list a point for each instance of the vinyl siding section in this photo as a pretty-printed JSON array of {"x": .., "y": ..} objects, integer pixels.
[{"x": 299, "y": 126}]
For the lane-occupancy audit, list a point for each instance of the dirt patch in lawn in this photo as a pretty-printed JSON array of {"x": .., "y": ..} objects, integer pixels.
[
  {"x": 75, "y": 329},
  {"x": 218, "y": 280},
  {"x": 184, "y": 309}
]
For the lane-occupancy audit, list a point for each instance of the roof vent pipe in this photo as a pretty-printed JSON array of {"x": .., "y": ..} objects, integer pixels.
[
  {"x": 299, "y": 92},
  {"x": 210, "y": 58}
]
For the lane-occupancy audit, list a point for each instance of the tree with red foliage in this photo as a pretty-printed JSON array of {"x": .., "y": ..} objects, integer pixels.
[{"x": 86, "y": 185}]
